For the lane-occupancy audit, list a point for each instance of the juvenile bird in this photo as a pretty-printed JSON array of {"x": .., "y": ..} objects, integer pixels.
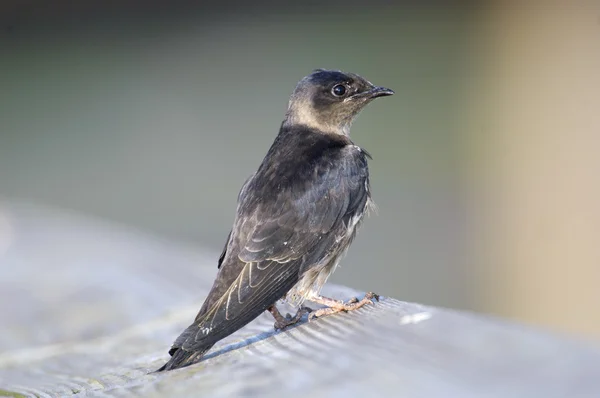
[{"x": 296, "y": 216}]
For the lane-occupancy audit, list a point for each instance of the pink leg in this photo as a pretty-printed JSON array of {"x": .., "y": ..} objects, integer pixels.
[{"x": 334, "y": 306}]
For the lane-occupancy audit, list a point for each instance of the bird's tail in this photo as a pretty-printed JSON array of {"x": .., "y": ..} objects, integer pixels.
[{"x": 181, "y": 358}]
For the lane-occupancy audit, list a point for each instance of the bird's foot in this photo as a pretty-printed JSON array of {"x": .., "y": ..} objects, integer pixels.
[
  {"x": 282, "y": 322},
  {"x": 335, "y": 306}
]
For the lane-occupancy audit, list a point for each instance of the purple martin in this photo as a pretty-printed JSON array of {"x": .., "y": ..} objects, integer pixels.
[{"x": 296, "y": 216}]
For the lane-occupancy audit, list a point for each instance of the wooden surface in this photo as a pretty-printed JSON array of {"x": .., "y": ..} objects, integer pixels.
[{"x": 89, "y": 308}]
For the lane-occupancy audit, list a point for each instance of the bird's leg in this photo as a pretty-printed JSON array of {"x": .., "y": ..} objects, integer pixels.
[
  {"x": 334, "y": 306},
  {"x": 282, "y": 322}
]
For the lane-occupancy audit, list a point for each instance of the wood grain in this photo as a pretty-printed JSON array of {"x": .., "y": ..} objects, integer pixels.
[{"x": 89, "y": 309}]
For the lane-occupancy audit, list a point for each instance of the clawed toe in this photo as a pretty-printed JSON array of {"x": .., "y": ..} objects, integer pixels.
[
  {"x": 282, "y": 322},
  {"x": 332, "y": 307},
  {"x": 335, "y": 306},
  {"x": 371, "y": 296}
]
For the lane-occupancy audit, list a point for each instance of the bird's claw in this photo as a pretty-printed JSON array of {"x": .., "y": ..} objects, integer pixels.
[
  {"x": 371, "y": 296},
  {"x": 334, "y": 306},
  {"x": 289, "y": 320}
]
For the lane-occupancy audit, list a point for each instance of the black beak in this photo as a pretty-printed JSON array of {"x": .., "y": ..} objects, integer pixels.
[
  {"x": 379, "y": 92},
  {"x": 374, "y": 92}
]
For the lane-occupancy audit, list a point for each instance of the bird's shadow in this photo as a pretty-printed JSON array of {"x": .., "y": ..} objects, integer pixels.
[
  {"x": 247, "y": 341},
  {"x": 253, "y": 339},
  {"x": 262, "y": 336}
]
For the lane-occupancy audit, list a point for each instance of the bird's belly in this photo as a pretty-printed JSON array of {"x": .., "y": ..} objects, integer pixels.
[{"x": 315, "y": 275}]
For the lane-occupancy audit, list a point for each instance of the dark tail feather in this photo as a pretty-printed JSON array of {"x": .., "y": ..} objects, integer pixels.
[{"x": 181, "y": 358}]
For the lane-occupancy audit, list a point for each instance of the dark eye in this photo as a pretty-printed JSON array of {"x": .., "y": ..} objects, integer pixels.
[{"x": 338, "y": 90}]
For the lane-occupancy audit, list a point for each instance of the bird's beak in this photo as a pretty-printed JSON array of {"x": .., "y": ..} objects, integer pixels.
[
  {"x": 379, "y": 92},
  {"x": 374, "y": 92}
]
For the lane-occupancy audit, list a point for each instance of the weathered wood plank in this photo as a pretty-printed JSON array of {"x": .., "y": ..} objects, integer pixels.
[{"x": 88, "y": 309}]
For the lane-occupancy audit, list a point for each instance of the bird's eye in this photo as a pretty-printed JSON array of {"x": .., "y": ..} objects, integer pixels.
[{"x": 338, "y": 90}]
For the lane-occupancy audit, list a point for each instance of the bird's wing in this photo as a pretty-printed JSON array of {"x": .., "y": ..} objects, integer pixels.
[
  {"x": 240, "y": 196},
  {"x": 222, "y": 256},
  {"x": 273, "y": 237},
  {"x": 290, "y": 226}
]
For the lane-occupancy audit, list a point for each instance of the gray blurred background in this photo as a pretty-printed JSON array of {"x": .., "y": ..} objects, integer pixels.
[{"x": 485, "y": 167}]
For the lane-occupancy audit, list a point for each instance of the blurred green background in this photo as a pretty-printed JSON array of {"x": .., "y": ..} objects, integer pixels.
[{"x": 152, "y": 114}]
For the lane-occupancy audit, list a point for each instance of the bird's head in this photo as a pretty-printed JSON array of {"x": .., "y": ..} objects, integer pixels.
[{"x": 330, "y": 100}]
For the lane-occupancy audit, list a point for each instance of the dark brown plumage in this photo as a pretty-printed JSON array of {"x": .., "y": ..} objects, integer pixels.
[{"x": 296, "y": 216}]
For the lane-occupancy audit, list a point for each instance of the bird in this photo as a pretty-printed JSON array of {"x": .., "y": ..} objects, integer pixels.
[{"x": 296, "y": 217}]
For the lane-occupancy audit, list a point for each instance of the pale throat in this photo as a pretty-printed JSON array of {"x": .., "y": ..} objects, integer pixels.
[{"x": 303, "y": 113}]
